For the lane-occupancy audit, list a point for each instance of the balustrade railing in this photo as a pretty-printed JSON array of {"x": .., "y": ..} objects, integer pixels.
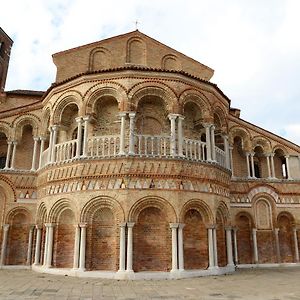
[
  {"x": 65, "y": 151},
  {"x": 152, "y": 145},
  {"x": 194, "y": 149},
  {"x": 103, "y": 146},
  {"x": 44, "y": 157},
  {"x": 220, "y": 157}
]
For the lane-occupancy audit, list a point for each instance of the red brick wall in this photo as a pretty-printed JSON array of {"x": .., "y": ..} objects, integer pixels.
[
  {"x": 221, "y": 242},
  {"x": 195, "y": 241},
  {"x": 286, "y": 240},
  {"x": 152, "y": 241},
  {"x": 266, "y": 246}
]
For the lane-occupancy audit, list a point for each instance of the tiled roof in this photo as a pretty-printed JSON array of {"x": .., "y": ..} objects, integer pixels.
[{"x": 25, "y": 92}]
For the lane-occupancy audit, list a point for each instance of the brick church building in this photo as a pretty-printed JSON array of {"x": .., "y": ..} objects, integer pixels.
[{"x": 134, "y": 165}]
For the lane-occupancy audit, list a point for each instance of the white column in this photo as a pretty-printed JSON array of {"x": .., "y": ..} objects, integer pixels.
[
  {"x": 86, "y": 121},
  {"x": 38, "y": 245},
  {"x": 208, "y": 141},
  {"x": 4, "y": 244},
  {"x": 296, "y": 245},
  {"x": 288, "y": 167},
  {"x": 76, "y": 247},
  {"x": 227, "y": 152},
  {"x": 33, "y": 165},
  {"x": 180, "y": 247},
  {"x": 43, "y": 139},
  {"x": 174, "y": 227},
  {"x": 248, "y": 165},
  {"x": 272, "y": 165},
  {"x": 129, "y": 246},
  {"x": 79, "y": 136},
  {"x": 213, "y": 145},
  {"x": 45, "y": 245},
  {"x": 122, "y": 248},
  {"x": 180, "y": 135},
  {"x": 131, "y": 133},
  {"x": 54, "y": 140},
  {"x": 9, "y": 146},
  {"x": 276, "y": 232},
  {"x": 215, "y": 246},
  {"x": 252, "y": 164},
  {"x": 13, "y": 158},
  {"x": 49, "y": 245},
  {"x": 236, "y": 258},
  {"x": 172, "y": 118},
  {"x": 50, "y": 145},
  {"x": 122, "y": 115},
  {"x": 210, "y": 247},
  {"x": 229, "y": 246},
  {"x": 268, "y": 166},
  {"x": 82, "y": 246},
  {"x": 255, "y": 250},
  {"x": 29, "y": 249},
  {"x": 231, "y": 160}
]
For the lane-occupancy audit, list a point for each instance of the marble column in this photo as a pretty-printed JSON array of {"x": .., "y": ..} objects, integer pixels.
[
  {"x": 37, "y": 254},
  {"x": 13, "y": 158},
  {"x": 129, "y": 246},
  {"x": 215, "y": 247},
  {"x": 229, "y": 246},
  {"x": 213, "y": 145},
  {"x": 276, "y": 232},
  {"x": 122, "y": 115},
  {"x": 252, "y": 164},
  {"x": 131, "y": 133},
  {"x": 82, "y": 246},
  {"x": 180, "y": 247},
  {"x": 180, "y": 135},
  {"x": 76, "y": 247},
  {"x": 210, "y": 247},
  {"x": 208, "y": 141},
  {"x": 49, "y": 245},
  {"x": 45, "y": 245},
  {"x": 272, "y": 165},
  {"x": 122, "y": 248},
  {"x": 235, "y": 245},
  {"x": 79, "y": 136},
  {"x": 227, "y": 152},
  {"x": 255, "y": 250},
  {"x": 231, "y": 160},
  {"x": 172, "y": 118},
  {"x": 174, "y": 227},
  {"x": 248, "y": 165},
  {"x": 86, "y": 121},
  {"x": 4, "y": 244},
  {"x": 43, "y": 139},
  {"x": 54, "y": 141},
  {"x": 288, "y": 167},
  {"x": 50, "y": 145},
  {"x": 34, "y": 154},
  {"x": 29, "y": 248},
  {"x": 268, "y": 166},
  {"x": 9, "y": 148},
  {"x": 296, "y": 245}
]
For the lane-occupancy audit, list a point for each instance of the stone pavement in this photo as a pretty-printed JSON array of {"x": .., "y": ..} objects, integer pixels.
[{"x": 264, "y": 284}]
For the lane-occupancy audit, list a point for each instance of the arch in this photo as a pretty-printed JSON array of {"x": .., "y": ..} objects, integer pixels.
[
  {"x": 243, "y": 134},
  {"x": 58, "y": 207},
  {"x": 46, "y": 115},
  {"x": 201, "y": 207},
  {"x": 6, "y": 129},
  {"x": 280, "y": 148},
  {"x": 100, "y": 58},
  {"x": 170, "y": 62},
  {"x": 8, "y": 189},
  {"x": 263, "y": 142},
  {"x": 136, "y": 51},
  {"x": 41, "y": 214},
  {"x": 157, "y": 89},
  {"x": 260, "y": 190},
  {"x": 224, "y": 212},
  {"x": 263, "y": 212},
  {"x": 16, "y": 210},
  {"x": 28, "y": 119},
  {"x": 221, "y": 115},
  {"x": 152, "y": 201}
]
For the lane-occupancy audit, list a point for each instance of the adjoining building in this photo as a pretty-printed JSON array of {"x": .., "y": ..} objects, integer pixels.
[{"x": 134, "y": 165}]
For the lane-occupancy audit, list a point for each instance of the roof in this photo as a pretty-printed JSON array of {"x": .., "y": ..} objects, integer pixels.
[
  {"x": 25, "y": 93},
  {"x": 2, "y": 31}
]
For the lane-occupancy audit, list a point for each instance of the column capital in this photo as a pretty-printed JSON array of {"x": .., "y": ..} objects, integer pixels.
[
  {"x": 36, "y": 138},
  {"x": 78, "y": 119},
  {"x": 130, "y": 224},
  {"x": 213, "y": 127},
  {"x": 252, "y": 153},
  {"x": 254, "y": 230},
  {"x": 82, "y": 225},
  {"x": 15, "y": 142},
  {"x": 122, "y": 114},
  {"x": 55, "y": 127},
  {"x": 207, "y": 125},
  {"x": 181, "y": 117},
  {"x": 172, "y": 116},
  {"x": 42, "y": 138},
  {"x": 181, "y": 225},
  {"x": 287, "y": 156},
  {"x": 32, "y": 226},
  {"x": 122, "y": 225},
  {"x": 49, "y": 225},
  {"x": 132, "y": 114},
  {"x": 5, "y": 227},
  {"x": 38, "y": 226},
  {"x": 211, "y": 226},
  {"x": 86, "y": 118},
  {"x": 228, "y": 228},
  {"x": 276, "y": 230},
  {"x": 174, "y": 225}
]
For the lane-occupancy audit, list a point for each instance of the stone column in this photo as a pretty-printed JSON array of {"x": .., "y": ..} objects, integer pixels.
[
  {"x": 215, "y": 246},
  {"x": 13, "y": 158},
  {"x": 296, "y": 245},
  {"x": 79, "y": 136},
  {"x": 9, "y": 146},
  {"x": 180, "y": 136},
  {"x": 252, "y": 164},
  {"x": 180, "y": 247},
  {"x": 82, "y": 246},
  {"x": 76, "y": 247},
  {"x": 213, "y": 145},
  {"x": 208, "y": 141},
  {"x": 38, "y": 245},
  {"x": 122, "y": 248},
  {"x": 227, "y": 152},
  {"x": 45, "y": 245},
  {"x": 50, "y": 145},
  {"x": 131, "y": 133},
  {"x": 248, "y": 165},
  {"x": 211, "y": 247},
  {"x": 174, "y": 227},
  {"x": 54, "y": 140},
  {"x": 122, "y": 115},
  {"x": 86, "y": 121},
  {"x": 43, "y": 139},
  {"x": 255, "y": 250},
  {"x": 33, "y": 165},
  {"x": 268, "y": 165},
  {"x": 129, "y": 246},
  {"x": 49, "y": 245},
  {"x": 172, "y": 118},
  {"x": 231, "y": 160},
  {"x": 229, "y": 246},
  {"x": 288, "y": 167},
  {"x": 276, "y": 232},
  {"x": 4, "y": 244},
  {"x": 29, "y": 249},
  {"x": 272, "y": 165},
  {"x": 236, "y": 258}
]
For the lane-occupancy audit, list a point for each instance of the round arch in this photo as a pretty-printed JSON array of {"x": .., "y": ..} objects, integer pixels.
[
  {"x": 28, "y": 119},
  {"x": 57, "y": 209}
]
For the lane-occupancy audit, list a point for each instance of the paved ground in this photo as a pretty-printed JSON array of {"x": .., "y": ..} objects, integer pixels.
[{"x": 264, "y": 284}]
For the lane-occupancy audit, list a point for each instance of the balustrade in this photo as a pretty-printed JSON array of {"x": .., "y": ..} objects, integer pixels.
[
  {"x": 152, "y": 145},
  {"x": 65, "y": 151},
  {"x": 194, "y": 149},
  {"x": 220, "y": 157},
  {"x": 103, "y": 146}
]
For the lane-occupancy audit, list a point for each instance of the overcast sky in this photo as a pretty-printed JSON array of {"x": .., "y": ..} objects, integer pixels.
[{"x": 253, "y": 45}]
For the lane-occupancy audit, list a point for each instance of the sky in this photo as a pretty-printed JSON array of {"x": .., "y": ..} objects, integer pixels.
[{"x": 253, "y": 45}]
